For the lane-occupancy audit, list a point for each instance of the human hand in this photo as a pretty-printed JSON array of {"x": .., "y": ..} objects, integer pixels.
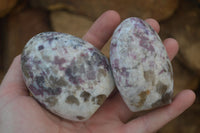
[{"x": 20, "y": 113}]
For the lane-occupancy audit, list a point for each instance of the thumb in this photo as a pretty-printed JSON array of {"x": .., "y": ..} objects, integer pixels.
[{"x": 13, "y": 81}]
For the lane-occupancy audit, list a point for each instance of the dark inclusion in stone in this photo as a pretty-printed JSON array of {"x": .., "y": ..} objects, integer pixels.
[
  {"x": 59, "y": 61},
  {"x": 38, "y": 88},
  {"x": 40, "y": 81},
  {"x": 57, "y": 82},
  {"x": 51, "y": 101},
  {"x": 99, "y": 99},
  {"x": 72, "y": 100},
  {"x": 161, "y": 89},
  {"x": 149, "y": 76},
  {"x": 164, "y": 100},
  {"x": 85, "y": 95},
  {"x": 74, "y": 78},
  {"x": 36, "y": 91},
  {"x": 40, "y": 47},
  {"x": 80, "y": 117},
  {"x": 143, "y": 95},
  {"x": 78, "y": 43},
  {"x": 100, "y": 60}
]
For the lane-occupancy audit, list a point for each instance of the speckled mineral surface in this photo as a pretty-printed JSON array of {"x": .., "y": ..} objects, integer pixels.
[
  {"x": 140, "y": 65},
  {"x": 66, "y": 74}
]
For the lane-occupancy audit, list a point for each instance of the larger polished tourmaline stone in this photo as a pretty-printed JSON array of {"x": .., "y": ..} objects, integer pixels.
[{"x": 66, "y": 74}]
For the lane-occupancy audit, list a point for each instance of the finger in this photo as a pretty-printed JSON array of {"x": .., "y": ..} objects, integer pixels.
[
  {"x": 13, "y": 81},
  {"x": 170, "y": 43},
  {"x": 154, "y": 24},
  {"x": 102, "y": 29},
  {"x": 171, "y": 46},
  {"x": 153, "y": 121}
]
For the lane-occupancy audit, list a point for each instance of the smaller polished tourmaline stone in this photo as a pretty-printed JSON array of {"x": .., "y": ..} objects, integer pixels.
[{"x": 140, "y": 65}]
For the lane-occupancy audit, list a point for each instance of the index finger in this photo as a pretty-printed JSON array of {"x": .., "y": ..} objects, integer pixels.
[
  {"x": 102, "y": 29},
  {"x": 13, "y": 81}
]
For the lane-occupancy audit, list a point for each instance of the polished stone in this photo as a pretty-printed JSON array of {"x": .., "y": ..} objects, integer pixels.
[
  {"x": 66, "y": 74},
  {"x": 141, "y": 67}
]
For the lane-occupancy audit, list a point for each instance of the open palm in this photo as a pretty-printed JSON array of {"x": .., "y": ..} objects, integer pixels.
[{"x": 20, "y": 113}]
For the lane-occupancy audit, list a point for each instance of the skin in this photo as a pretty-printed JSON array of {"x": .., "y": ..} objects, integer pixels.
[{"x": 20, "y": 113}]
